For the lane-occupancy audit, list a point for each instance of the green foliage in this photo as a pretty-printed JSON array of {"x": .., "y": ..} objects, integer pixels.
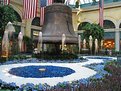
[
  {"x": 110, "y": 82},
  {"x": 53, "y": 56},
  {"x": 19, "y": 57},
  {"x": 7, "y": 14},
  {"x": 29, "y": 44},
  {"x": 112, "y": 63},
  {"x": 77, "y": 4},
  {"x": 5, "y": 90},
  {"x": 95, "y": 31},
  {"x": 3, "y": 59},
  {"x": 116, "y": 53}
]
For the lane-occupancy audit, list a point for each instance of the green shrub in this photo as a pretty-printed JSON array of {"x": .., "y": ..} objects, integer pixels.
[
  {"x": 18, "y": 57},
  {"x": 77, "y": 4},
  {"x": 53, "y": 56},
  {"x": 3, "y": 59}
]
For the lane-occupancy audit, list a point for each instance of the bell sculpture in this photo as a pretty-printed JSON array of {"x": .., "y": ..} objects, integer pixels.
[{"x": 58, "y": 21}]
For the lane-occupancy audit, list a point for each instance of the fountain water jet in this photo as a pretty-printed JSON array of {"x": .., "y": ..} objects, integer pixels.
[
  {"x": 102, "y": 44},
  {"x": 79, "y": 42},
  {"x": 5, "y": 44},
  {"x": 10, "y": 29},
  {"x": 40, "y": 42},
  {"x": 90, "y": 43},
  {"x": 20, "y": 39},
  {"x": 96, "y": 46},
  {"x": 63, "y": 41},
  {"x": 84, "y": 44}
]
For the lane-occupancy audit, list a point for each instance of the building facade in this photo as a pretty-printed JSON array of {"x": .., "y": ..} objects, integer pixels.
[{"x": 87, "y": 13}]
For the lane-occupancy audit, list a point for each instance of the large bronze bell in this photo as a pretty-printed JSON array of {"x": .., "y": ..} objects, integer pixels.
[{"x": 58, "y": 21}]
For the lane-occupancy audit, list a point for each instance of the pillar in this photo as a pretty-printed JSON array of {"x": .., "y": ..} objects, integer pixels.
[
  {"x": 117, "y": 40},
  {"x": 28, "y": 28}
]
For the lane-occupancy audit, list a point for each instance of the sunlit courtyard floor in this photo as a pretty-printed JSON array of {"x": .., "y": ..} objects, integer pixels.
[{"x": 80, "y": 68}]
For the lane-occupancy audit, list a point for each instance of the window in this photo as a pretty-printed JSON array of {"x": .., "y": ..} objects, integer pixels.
[
  {"x": 108, "y": 24},
  {"x": 36, "y": 21}
]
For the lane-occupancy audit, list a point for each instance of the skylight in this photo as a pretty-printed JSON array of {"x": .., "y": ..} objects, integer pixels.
[{"x": 72, "y": 2}]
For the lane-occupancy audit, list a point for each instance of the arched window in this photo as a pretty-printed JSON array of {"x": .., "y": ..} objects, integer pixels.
[
  {"x": 120, "y": 25},
  {"x": 36, "y": 21},
  {"x": 81, "y": 25},
  {"x": 35, "y": 32},
  {"x": 108, "y": 24}
]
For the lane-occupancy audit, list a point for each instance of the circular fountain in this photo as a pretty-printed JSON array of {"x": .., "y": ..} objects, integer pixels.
[{"x": 39, "y": 71}]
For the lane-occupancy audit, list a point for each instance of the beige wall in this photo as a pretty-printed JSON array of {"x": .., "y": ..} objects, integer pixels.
[
  {"x": 111, "y": 12},
  {"x": 75, "y": 19}
]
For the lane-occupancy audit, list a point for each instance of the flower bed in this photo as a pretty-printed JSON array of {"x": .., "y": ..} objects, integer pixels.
[{"x": 106, "y": 84}]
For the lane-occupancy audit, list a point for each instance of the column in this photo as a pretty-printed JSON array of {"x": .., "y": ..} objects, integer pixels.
[
  {"x": 117, "y": 40},
  {"x": 28, "y": 28}
]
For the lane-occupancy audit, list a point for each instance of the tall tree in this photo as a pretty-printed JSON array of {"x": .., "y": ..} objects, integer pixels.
[
  {"x": 7, "y": 14},
  {"x": 95, "y": 31}
]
